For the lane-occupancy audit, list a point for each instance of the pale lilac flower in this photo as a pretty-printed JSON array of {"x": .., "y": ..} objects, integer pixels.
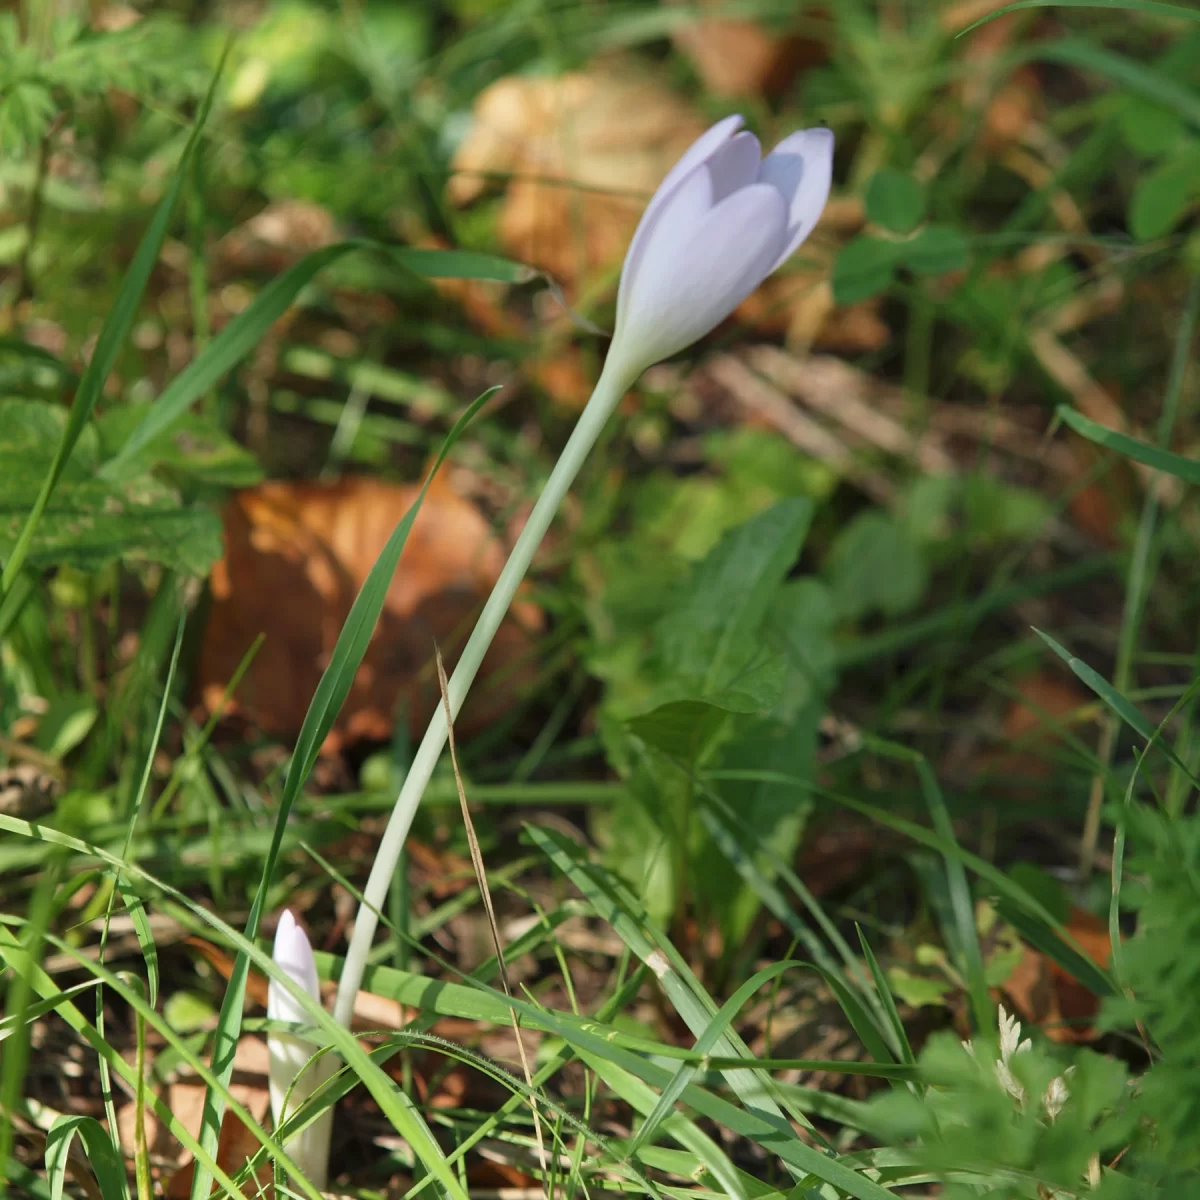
[
  {"x": 290, "y": 1055},
  {"x": 721, "y": 221}
]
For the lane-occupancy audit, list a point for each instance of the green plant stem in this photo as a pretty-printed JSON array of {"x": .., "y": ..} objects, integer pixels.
[{"x": 613, "y": 383}]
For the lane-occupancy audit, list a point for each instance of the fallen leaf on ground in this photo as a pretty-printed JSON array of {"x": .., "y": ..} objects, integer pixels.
[
  {"x": 1044, "y": 708},
  {"x": 738, "y": 57},
  {"x": 235, "y": 1145},
  {"x": 1040, "y": 706},
  {"x": 295, "y": 558},
  {"x": 1044, "y": 994},
  {"x": 185, "y": 1099},
  {"x": 584, "y": 152},
  {"x": 273, "y": 239}
]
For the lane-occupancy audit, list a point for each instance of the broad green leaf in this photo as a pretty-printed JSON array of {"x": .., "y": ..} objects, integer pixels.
[
  {"x": 895, "y": 200},
  {"x": 188, "y": 1012},
  {"x": 86, "y": 522},
  {"x": 1149, "y": 129},
  {"x": 1187, "y": 469},
  {"x": 194, "y": 448},
  {"x": 875, "y": 565},
  {"x": 706, "y": 638},
  {"x": 798, "y": 634},
  {"x": 65, "y": 723},
  {"x": 1163, "y": 195},
  {"x": 935, "y": 250},
  {"x": 918, "y": 991},
  {"x": 864, "y": 268},
  {"x": 681, "y": 728}
]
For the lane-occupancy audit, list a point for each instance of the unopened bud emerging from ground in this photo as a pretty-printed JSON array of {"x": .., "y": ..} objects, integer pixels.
[{"x": 290, "y": 1054}]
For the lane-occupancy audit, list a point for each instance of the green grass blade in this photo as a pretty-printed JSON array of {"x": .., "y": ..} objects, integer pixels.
[
  {"x": 39, "y": 1008},
  {"x": 106, "y": 1164},
  {"x": 134, "y": 905},
  {"x": 964, "y": 904},
  {"x": 41, "y": 911},
  {"x": 112, "y": 337},
  {"x": 801, "y": 1158},
  {"x": 1125, "y": 72},
  {"x": 704, "y": 1045},
  {"x": 17, "y": 958},
  {"x": 1122, "y": 707},
  {"x": 396, "y": 1106},
  {"x": 1001, "y": 884},
  {"x": 1041, "y": 937},
  {"x": 619, "y": 908},
  {"x": 1187, "y": 469},
  {"x": 1151, "y": 8},
  {"x": 145, "y": 939},
  {"x": 477, "y": 1003},
  {"x": 705, "y": 1152},
  {"x": 887, "y": 1000},
  {"x": 725, "y": 826},
  {"x": 245, "y": 331}
]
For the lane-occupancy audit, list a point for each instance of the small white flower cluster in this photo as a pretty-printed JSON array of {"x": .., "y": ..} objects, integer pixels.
[{"x": 1010, "y": 1045}]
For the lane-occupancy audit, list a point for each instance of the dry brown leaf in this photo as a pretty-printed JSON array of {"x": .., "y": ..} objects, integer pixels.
[
  {"x": 736, "y": 57},
  {"x": 235, "y": 1144},
  {"x": 564, "y": 378},
  {"x": 276, "y": 237},
  {"x": 1045, "y": 705},
  {"x": 185, "y": 1099},
  {"x": 1044, "y": 994},
  {"x": 295, "y": 558},
  {"x": 585, "y": 151},
  {"x": 1042, "y": 700}
]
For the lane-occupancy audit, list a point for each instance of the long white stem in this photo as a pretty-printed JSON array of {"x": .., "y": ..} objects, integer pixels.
[{"x": 612, "y": 385}]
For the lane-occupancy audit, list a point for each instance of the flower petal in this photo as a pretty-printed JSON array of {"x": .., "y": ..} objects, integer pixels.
[
  {"x": 699, "y": 152},
  {"x": 686, "y": 285},
  {"x": 801, "y": 168},
  {"x": 735, "y": 165},
  {"x": 294, "y": 955},
  {"x": 678, "y": 216}
]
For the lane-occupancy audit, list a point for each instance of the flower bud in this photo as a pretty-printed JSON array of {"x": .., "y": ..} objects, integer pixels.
[{"x": 290, "y": 1055}]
